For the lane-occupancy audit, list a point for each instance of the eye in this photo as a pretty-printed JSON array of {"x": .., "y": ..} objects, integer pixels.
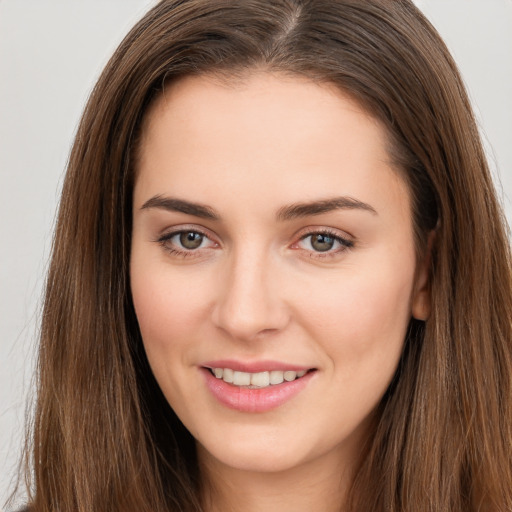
[
  {"x": 185, "y": 242},
  {"x": 324, "y": 243}
]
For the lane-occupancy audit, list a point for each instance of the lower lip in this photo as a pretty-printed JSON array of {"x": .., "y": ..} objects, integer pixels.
[{"x": 254, "y": 400}]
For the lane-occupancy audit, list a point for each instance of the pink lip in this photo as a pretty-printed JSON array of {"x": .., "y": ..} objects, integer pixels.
[
  {"x": 253, "y": 400},
  {"x": 254, "y": 366}
]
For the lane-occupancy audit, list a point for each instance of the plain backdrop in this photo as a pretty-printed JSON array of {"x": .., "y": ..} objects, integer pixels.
[{"x": 51, "y": 53}]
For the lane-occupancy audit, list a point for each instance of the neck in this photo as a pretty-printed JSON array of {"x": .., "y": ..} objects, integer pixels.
[{"x": 319, "y": 484}]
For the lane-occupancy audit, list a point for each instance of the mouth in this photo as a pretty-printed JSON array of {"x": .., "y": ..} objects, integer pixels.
[
  {"x": 257, "y": 380},
  {"x": 257, "y": 386}
]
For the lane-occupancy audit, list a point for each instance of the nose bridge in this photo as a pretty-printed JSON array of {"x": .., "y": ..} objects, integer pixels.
[{"x": 249, "y": 301}]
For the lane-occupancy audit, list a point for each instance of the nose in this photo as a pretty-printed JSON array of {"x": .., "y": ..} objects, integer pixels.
[{"x": 250, "y": 302}]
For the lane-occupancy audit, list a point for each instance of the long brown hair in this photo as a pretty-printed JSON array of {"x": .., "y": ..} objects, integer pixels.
[{"x": 104, "y": 437}]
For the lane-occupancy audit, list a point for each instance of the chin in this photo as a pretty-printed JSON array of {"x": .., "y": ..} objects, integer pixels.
[{"x": 258, "y": 454}]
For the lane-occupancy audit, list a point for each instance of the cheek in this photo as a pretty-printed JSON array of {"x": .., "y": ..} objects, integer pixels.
[
  {"x": 361, "y": 318},
  {"x": 169, "y": 308},
  {"x": 361, "y": 326},
  {"x": 167, "y": 305}
]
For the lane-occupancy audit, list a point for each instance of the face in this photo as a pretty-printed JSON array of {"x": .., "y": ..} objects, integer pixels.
[{"x": 273, "y": 268}]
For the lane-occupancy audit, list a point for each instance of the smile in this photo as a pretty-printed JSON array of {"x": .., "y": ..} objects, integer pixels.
[
  {"x": 264, "y": 388},
  {"x": 256, "y": 380}
]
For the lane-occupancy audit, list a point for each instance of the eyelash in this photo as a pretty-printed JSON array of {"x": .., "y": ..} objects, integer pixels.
[
  {"x": 183, "y": 253},
  {"x": 344, "y": 243}
]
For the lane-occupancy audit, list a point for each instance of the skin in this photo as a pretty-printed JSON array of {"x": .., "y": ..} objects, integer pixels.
[{"x": 256, "y": 288}]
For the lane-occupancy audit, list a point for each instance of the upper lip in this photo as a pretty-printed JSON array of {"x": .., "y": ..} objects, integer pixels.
[{"x": 255, "y": 366}]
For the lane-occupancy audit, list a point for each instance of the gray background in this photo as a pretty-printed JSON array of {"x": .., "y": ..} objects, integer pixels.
[{"x": 51, "y": 53}]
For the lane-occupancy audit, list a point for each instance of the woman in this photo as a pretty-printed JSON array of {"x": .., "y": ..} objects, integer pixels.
[{"x": 280, "y": 275}]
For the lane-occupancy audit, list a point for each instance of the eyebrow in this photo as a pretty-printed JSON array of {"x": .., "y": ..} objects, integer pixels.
[
  {"x": 290, "y": 212},
  {"x": 299, "y": 210},
  {"x": 179, "y": 205}
]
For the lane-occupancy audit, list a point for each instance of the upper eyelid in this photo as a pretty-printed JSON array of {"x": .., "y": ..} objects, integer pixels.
[
  {"x": 170, "y": 232},
  {"x": 345, "y": 242},
  {"x": 334, "y": 232}
]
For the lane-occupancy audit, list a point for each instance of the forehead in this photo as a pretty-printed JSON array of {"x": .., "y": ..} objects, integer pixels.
[
  {"x": 254, "y": 100},
  {"x": 286, "y": 137}
]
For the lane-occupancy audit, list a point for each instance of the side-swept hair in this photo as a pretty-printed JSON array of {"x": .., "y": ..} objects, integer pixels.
[{"x": 104, "y": 437}]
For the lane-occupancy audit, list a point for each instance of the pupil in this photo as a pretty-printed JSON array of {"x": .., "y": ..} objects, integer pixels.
[
  {"x": 191, "y": 240},
  {"x": 322, "y": 243}
]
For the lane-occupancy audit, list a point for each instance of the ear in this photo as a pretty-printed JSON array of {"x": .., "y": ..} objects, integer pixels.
[{"x": 421, "y": 299}]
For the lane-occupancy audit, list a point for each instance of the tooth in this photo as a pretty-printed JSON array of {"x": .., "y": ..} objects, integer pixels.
[
  {"x": 289, "y": 376},
  {"x": 241, "y": 379},
  {"x": 276, "y": 377},
  {"x": 261, "y": 379},
  {"x": 227, "y": 375}
]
